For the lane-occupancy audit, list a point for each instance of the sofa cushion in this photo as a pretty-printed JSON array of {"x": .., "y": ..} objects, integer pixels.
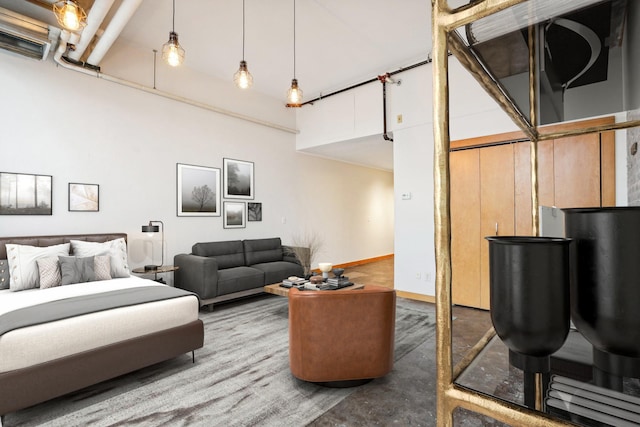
[
  {"x": 275, "y": 272},
  {"x": 228, "y": 254},
  {"x": 258, "y": 251},
  {"x": 237, "y": 279}
]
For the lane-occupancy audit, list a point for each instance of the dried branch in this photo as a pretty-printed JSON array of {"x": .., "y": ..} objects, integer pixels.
[{"x": 306, "y": 246}]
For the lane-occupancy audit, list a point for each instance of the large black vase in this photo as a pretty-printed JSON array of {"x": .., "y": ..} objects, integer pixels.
[
  {"x": 605, "y": 290},
  {"x": 529, "y": 280}
]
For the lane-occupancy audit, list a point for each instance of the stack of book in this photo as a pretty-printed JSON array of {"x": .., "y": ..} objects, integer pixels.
[
  {"x": 339, "y": 282},
  {"x": 294, "y": 282}
]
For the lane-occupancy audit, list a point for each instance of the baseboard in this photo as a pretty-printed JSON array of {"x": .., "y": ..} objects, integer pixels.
[{"x": 417, "y": 297}]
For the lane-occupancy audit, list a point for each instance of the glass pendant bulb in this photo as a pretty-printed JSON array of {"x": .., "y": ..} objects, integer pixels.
[
  {"x": 172, "y": 52},
  {"x": 70, "y": 15},
  {"x": 243, "y": 78},
  {"x": 294, "y": 94}
]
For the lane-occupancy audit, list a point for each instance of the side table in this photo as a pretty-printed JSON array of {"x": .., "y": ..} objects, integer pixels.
[{"x": 161, "y": 269}]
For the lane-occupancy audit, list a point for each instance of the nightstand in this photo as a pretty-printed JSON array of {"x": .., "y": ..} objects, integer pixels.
[{"x": 161, "y": 269}]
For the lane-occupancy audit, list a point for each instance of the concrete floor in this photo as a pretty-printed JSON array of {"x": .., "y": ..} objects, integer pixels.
[{"x": 409, "y": 397}]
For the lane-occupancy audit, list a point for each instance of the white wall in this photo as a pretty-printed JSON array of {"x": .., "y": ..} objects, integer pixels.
[
  {"x": 81, "y": 129},
  {"x": 353, "y": 114},
  {"x": 472, "y": 113}
]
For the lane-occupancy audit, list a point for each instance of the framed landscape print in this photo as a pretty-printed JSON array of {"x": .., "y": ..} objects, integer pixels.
[
  {"x": 234, "y": 215},
  {"x": 198, "y": 189},
  {"x": 25, "y": 194},
  {"x": 238, "y": 179},
  {"x": 84, "y": 197},
  {"x": 254, "y": 211}
]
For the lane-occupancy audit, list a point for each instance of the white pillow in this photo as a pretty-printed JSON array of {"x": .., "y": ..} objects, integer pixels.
[
  {"x": 117, "y": 249},
  {"x": 23, "y": 269}
]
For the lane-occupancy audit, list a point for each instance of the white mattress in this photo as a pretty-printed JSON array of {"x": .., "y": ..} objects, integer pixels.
[{"x": 41, "y": 343}]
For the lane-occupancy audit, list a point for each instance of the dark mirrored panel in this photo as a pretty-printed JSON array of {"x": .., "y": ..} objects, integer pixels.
[{"x": 587, "y": 56}]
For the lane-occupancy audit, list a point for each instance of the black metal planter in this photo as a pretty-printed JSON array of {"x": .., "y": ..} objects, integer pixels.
[
  {"x": 529, "y": 280},
  {"x": 605, "y": 290}
]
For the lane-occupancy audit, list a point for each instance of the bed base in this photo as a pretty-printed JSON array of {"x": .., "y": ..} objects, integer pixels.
[{"x": 22, "y": 388}]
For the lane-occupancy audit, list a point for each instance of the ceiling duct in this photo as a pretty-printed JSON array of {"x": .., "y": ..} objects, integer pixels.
[
  {"x": 578, "y": 45},
  {"x": 24, "y": 36}
]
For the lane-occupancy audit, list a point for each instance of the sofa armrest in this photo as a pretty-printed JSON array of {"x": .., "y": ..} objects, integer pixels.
[
  {"x": 289, "y": 254},
  {"x": 197, "y": 274}
]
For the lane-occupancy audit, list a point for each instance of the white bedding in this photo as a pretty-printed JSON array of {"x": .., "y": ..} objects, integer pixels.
[{"x": 41, "y": 343}]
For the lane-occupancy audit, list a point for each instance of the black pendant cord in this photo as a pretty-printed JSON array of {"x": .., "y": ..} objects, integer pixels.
[
  {"x": 242, "y": 30},
  {"x": 173, "y": 22},
  {"x": 294, "y": 39}
]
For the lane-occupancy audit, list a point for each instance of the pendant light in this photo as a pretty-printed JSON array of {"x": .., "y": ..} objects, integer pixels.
[
  {"x": 294, "y": 94},
  {"x": 70, "y": 15},
  {"x": 243, "y": 78},
  {"x": 172, "y": 52}
]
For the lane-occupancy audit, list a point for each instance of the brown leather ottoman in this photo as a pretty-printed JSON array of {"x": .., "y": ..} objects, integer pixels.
[{"x": 342, "y": 337}]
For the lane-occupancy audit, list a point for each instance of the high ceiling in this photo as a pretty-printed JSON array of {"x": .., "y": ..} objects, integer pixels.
[{"x": 338, "y": 42}]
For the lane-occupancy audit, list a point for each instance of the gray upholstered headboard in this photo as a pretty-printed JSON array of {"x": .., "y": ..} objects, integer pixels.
[{"x": 55, "y": 240}]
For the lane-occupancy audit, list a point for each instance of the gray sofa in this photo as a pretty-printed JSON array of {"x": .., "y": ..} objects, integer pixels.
[{"x": 219, "y": 271}]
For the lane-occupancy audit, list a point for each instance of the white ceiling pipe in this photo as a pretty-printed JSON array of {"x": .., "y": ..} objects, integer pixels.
[
  {"x": 115, "y": 27},
  {"x": 94, "y": 20}
]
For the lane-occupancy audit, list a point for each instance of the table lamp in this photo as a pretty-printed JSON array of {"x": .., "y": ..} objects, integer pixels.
[
  {"x": 325, "y": 267},
  {"x": 149, "y": 229}
]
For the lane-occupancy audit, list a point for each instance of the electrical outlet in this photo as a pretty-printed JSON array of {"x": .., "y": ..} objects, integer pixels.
[
  {"x": 427, "y": 277},
  {"x": 418, "y": 276},
  {"x": 399, "y": 118}
]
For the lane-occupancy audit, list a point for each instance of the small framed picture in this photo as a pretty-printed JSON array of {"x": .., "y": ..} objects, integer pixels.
[
  {"x": 84, "y": 197},
  {"x": 238, "y": 179},
  {"x": 198, "y": 189},
  {"x": 25, "y": 194},
  {"x": 234, "y": 214},
  {"x": 254, "y": 211}
]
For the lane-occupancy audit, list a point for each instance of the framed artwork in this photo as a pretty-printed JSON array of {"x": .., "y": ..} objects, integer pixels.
[
  {"x": 84, "y": 197},
  {"x": 25, "y": 194},
  {"x": 238, "y": 179},
  {"x": 198, "y": 189},
  {"x": 234, "y": 214},
  {"x": 254, "y": 211}
]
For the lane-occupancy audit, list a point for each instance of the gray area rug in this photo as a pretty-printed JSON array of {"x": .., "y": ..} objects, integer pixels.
[{"x": 241, "y": 377}]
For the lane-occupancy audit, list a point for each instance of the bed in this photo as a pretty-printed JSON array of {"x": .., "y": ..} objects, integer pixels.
[{"x": 89, "y": 346}]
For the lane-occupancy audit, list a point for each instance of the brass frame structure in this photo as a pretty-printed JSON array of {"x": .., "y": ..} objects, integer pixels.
[{"x": 444, "y": 21}]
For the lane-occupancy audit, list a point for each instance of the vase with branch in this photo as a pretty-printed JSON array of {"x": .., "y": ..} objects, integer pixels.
[{"x": 305, "y": 247}]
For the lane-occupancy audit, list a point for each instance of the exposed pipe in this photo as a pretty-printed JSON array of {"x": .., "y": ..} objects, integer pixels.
[
  {"x": 400, "y": 70},
  {"x": 95, "y": 17},
  {"x": 63, "y": 62},
  {"x": 115, "y": 27},
  {"x": 383, "y": 79}
]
